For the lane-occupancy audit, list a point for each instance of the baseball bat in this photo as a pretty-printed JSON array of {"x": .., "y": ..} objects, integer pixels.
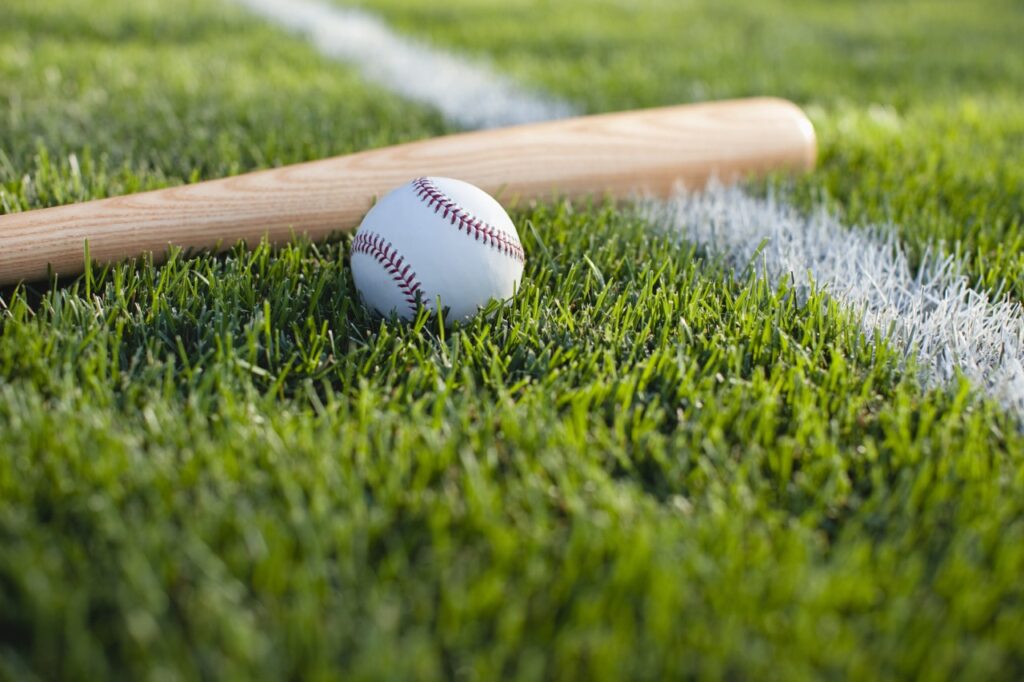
[{"x": 648, "y": 152}]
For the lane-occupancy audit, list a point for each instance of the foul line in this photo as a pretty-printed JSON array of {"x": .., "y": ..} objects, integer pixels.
[
  {"x": 469, "y": 94},
  {"x": 933, "y": 315}
]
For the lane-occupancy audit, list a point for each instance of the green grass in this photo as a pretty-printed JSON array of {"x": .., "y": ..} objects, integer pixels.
[
  {"x": 157, "y": 95},
  {"x": 646, "y": 467}
]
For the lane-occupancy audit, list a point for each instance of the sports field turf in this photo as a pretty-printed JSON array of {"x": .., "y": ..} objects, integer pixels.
[{"x": 648, "y": 466}]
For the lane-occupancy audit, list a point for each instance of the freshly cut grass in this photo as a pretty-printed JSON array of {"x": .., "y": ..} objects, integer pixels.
[
  {"x": 148, "y": 94},
  {"x": 648, "y": 466},
  {"x": 466, "y": 93},
  {"x": 644, "y": 467},
  {"x": 607, "y": 52}
]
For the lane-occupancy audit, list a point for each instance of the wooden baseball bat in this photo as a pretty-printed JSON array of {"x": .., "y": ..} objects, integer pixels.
[{"x": 618, "y": 155}]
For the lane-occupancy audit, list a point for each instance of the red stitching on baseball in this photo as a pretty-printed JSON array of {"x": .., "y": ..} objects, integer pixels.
[
  {"x": 383, "y": 252},
  {"x": 463, "y": 220}
]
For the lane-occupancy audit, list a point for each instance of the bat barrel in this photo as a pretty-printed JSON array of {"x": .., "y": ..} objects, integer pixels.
[{"x": 619, "y": 155}]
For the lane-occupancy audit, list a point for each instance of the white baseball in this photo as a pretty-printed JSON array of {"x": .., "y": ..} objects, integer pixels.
[{"x": 436, "y": 237}]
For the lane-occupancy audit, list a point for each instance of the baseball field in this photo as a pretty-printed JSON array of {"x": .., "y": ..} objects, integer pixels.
[{"x": 674, "y": 455}]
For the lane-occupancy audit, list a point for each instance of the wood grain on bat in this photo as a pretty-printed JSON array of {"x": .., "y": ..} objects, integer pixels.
[{"x": 650, "y": 151}]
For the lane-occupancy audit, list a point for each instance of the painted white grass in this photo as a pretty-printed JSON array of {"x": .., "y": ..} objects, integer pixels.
[
  {"x": 933, "y": 313},
  {"x": 467, "y": 93}
]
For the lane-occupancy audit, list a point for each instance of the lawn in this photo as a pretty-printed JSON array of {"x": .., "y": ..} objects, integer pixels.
[{"x": 648, "y": 466}]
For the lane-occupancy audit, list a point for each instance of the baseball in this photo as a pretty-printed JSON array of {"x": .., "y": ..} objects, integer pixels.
[{"x": 436, "y": 238}]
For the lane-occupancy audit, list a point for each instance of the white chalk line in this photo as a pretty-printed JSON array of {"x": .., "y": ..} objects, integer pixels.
[
  {"x": 933, "y": 313},
  {"x": 467, "y": 93}
]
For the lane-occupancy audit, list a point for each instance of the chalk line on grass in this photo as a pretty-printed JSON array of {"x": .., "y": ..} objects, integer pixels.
[
  {"x": 467, "y": 93},
  {"x": 933, "y": 312}
]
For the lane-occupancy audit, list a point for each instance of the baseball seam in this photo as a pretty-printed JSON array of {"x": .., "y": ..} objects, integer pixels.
[
  {"x": 462, "y": 219},
  {"x": 382, "y": 251}
]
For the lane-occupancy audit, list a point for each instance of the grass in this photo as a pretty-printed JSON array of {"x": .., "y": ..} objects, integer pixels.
[
  {"x": 646, "y": 467},
  {"x": 148, "y": 96}
]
